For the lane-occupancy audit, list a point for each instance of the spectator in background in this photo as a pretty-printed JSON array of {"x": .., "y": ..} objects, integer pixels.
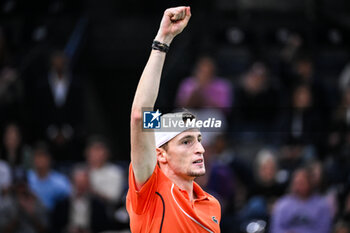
[
  {"x": 14, "y": 151},
  {"x": 267, "y": 183},
  {"x": 82, "y": 212},
  {"x": 293, "y": 45},
  {"x": 21, "y": 212},
  {"x": 256, "y": 101},
  {"x": 293, "y": 154},
  {"x": 317, "y": 178},
  {"x": 303, "y": 73},
  {"x": 301, "y": 211},
  {"x": 264, "y": 192},
  {"x": 321, "y": 186},
  {"x": 229, "y": 179},
  {"x": 49, "y": 186},
  {"x": 107, "y": 180},
  {"x": 59, "y": 78},
  {"x": 58, "y": 109},
  {"x": 301, "y": 122},
  {"x": 204, "y": 88},
  {"x": 206, "y": 95}
]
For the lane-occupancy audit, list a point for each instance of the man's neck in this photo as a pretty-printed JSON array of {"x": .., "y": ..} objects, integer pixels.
[
  {"x": 181, "y": 182},
  {"x": 42, "y": 174}
]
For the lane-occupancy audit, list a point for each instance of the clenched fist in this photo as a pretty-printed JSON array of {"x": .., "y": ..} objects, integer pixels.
[{"x": 173, "y": 23}]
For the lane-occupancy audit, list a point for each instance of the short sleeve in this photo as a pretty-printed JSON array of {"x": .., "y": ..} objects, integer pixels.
[{"x": 141, "y": 199}]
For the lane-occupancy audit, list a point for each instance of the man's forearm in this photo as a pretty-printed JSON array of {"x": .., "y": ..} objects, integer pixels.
[{"x": 148, "y": 87}]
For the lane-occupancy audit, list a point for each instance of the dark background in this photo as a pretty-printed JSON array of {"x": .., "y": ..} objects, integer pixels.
[{"x": 113, "y": 40}]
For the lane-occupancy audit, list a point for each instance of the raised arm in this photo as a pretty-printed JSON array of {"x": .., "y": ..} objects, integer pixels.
[{"x": 143, "y": 153}]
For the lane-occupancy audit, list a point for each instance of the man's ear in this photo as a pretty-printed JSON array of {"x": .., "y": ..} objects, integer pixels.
[{"x": 161, "y": 155}]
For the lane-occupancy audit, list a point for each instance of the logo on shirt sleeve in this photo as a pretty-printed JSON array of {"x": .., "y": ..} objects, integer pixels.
[{"x": 214, "y": 219}]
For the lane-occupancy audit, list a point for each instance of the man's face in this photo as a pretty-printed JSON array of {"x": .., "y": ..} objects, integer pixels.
[
  {"x": 59, "y": 63},
  {"x": 12, "y": 137},
  {"x": 301, "y": 185},
  {"x": 97, "y": 155},
  {"x": 267, "y": 171},
  {"x": 205, "y": 70},
  {"x": 81, "y": 181},
  {"x": 185, "y": 154},
  {"x": 41, "y": 161}
]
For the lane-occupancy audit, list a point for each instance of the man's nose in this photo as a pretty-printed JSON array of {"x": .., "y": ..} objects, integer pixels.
[{"x": 200, "y": 149}]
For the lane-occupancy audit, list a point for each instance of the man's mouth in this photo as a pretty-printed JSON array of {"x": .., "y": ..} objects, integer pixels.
[{"x": 198, "y": 161}]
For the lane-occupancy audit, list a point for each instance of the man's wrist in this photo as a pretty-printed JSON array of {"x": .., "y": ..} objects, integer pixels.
[
  {"x": 162, "y": 47},
  {"x": 164, "y": 39}
]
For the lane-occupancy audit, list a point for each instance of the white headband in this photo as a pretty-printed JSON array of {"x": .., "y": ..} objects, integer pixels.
[{"x": 162, "y": 136}]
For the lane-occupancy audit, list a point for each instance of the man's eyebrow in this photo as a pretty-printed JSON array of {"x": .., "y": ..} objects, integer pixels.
[
  {"x": 187, "y": 137},
  {"x": 190, "y": 137}
]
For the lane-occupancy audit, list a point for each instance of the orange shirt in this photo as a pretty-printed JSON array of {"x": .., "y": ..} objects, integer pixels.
[{"x": 161, "y": 206}]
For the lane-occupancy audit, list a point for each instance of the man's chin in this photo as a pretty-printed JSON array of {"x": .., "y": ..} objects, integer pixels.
[{"x": 196, "y": 173}]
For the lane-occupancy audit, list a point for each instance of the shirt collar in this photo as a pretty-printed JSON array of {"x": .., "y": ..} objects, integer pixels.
[{"x": 200, "y": 194}]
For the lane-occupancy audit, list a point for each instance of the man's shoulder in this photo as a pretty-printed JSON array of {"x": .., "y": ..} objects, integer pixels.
[
  {"x": 320, "y": 201},
  {"x": 285, "y": 201},
  {"x": 58, "y": 178},
  {"x": 113, "y": 168},
  {"x": 57, "y": 175},
  {"x": 157, "y": 176},
  {"x": 222, "y": 82}
]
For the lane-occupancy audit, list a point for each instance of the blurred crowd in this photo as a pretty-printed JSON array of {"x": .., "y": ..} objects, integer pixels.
[
  {"x": 37, "y": 195},
  {"x": 53, "y": 176},
  {"x": 280, "y": 164}
]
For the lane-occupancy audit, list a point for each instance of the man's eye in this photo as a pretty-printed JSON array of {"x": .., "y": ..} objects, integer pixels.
[{"x": 186, "y": 142}]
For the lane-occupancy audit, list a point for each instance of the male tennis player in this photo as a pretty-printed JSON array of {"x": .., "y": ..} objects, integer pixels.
[{"x": 163, "y": 196}]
